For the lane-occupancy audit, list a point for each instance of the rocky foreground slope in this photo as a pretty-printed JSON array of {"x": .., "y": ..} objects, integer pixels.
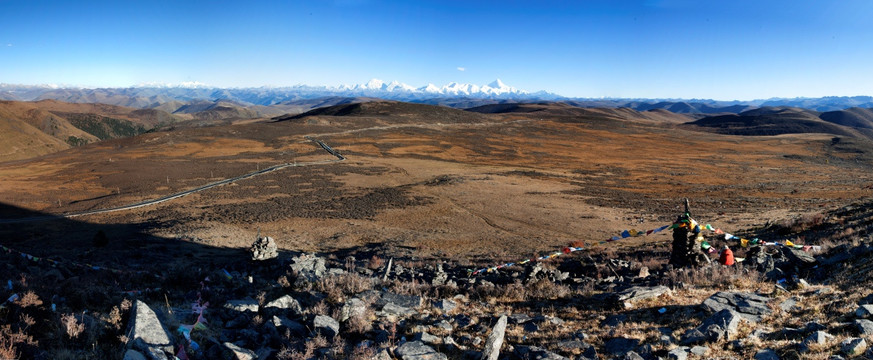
[{"x": 605, "y": 302}]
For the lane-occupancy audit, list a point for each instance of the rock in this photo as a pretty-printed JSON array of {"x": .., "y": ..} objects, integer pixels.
[
  {"x": 865, "y": 327},
  {"x": 632, "y": 355},
  {"x": 700, "y": 351},
  {"x": 444, "y": 325},
  {"x": 531, "y": 327},
  {"x": 147, "y": 333},
  {"x": 242, "y": 305},
  {"x": 445, "y": 305},
  {"x": 536, "y": 353},
  {"x": 417, "y": 350},
  {"x": 264, "y": 249},
  {"x": 408, "y": 301},
  {"x": 722, "y": 325},
  {"x": 519, "y": 318},
  {"x": 495, "y": 340},
  {"x": 308, "y": 267},
  {"x": 353, "y": 308},
  {"x": 392, "y": 309},
  {"x": 853, "y": 346},
  {"x": 286, "y": 302},
  {"x": 679, "y": 353},
  {"x": 620, "y": 346},
  {"x": 750, "y": 306},
  {"x": 325, "y": 325},
  {"x": 240, "y": 353},
  {"x": 383, "y": 355},
  {"x": 644, "y": 273},
  {"x": 627, "y": 297},
  {"x": 766, "y": 354},
  {"x": 573, "y": 344},
  {"x": 440, "y": 276},
  {"x": 294, "y": 327},
  {"x": 132, "y": 354},
  {"x": 614, "y": 320},
  {"x": 798, "y": 257},
  {"x": 788, "y": 304},
  {"x": 818, "y": 338},
  {"x": 864, "y": 311},
  {"x": 429, "y": 339}
]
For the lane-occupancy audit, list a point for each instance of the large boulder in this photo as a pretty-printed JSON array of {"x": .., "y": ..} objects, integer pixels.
[
  {"x": 308, "y": 267},
  {"x": 723, "y": 325},
  {"x": 749, "y": 306},
  {"x": 495, "y": 340},
  {"x": 264, "y": 249},
  {"x": 286, "y": 302},
  {"x": 326, "y": 326},
  {"x": 148, "y": 334}
]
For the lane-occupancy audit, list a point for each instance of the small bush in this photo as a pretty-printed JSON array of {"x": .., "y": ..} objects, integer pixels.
[{"x": 72, "y": 326}]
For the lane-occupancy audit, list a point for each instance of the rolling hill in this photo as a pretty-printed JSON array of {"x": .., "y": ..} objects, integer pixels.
[
  {"x": 852, "y": 117},
  {"x": 42, "y": 127},
  {"x": 777, "y": 121},
  {"x": 30, "y": 131},
  {"x": 389, "y": 112}
]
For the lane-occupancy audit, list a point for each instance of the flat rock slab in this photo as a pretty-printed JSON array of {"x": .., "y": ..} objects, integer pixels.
[
  {"x": 239, "y": 353},
  {"x": 242, "y": 305},
  {"x": 417, "y": 350},
  {"x": 407, "y": 301},
  {"x": 722, "y": 325},
  {"x": 751, "y": 307},
  {"x": 147, "y": 334},
  {"x": 627, "y": 297}
]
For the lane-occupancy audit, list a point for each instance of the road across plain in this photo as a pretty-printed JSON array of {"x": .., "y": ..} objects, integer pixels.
[{"x": 323, "y": 145}]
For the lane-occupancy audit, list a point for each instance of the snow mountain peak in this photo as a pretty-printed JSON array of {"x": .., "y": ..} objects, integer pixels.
[{"x": 379, "y": 88}]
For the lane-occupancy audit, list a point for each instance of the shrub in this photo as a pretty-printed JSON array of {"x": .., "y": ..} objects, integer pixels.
[{"x": 72, "y": 326}]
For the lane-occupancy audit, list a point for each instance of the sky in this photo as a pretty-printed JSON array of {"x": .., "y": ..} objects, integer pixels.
[{"x": 691, "y": 49}]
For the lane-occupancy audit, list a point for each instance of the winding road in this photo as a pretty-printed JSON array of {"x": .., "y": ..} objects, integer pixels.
[
  {"x": 323, "y": 145},
  {"x": 339, "y": 157}
]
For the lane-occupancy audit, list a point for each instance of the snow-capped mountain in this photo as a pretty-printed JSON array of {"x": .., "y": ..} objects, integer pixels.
[
  {"x": 377, "y": 87},
  {"x": 153, "y": 94}
]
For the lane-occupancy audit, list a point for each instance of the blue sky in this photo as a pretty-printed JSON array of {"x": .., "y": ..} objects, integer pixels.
[{"x": 656, "y": 49}]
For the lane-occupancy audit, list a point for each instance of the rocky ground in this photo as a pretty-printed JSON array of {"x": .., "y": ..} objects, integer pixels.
[{"x": 598, "y": 303}]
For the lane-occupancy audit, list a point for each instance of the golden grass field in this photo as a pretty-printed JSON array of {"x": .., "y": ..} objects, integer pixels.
[{"x": 471, "y": 187}]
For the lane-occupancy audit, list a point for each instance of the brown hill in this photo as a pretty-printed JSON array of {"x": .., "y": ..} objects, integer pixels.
[
  {"x": 148, "y": 118},
  {"x": 772, "y": 121},
  {"x": 30, "y": 131},
  {"x": 852, "y": 117},
  {"x": 562, "y": 109},
  {"x": 28, "y": 124},
  {"x": 388, "y": 113}
]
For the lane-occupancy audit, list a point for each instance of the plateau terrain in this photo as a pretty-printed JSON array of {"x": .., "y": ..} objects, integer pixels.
[{"x": 381, "y": 212}]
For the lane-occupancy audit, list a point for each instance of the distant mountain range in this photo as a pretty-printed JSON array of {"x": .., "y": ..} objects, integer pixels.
[{"x": 268, "y": 101}]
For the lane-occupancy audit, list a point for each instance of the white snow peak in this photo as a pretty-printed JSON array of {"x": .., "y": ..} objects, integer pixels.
[{"x": 495, "y": 88}]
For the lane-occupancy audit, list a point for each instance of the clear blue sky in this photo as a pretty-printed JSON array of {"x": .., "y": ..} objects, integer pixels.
[{"x": 658, "y": 49}]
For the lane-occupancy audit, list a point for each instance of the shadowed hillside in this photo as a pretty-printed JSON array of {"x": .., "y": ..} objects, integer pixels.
[
  {"x": 772, "y": 121},
  {"x": 397, "y": 112},
  {"x": 854, "y": 117}
]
